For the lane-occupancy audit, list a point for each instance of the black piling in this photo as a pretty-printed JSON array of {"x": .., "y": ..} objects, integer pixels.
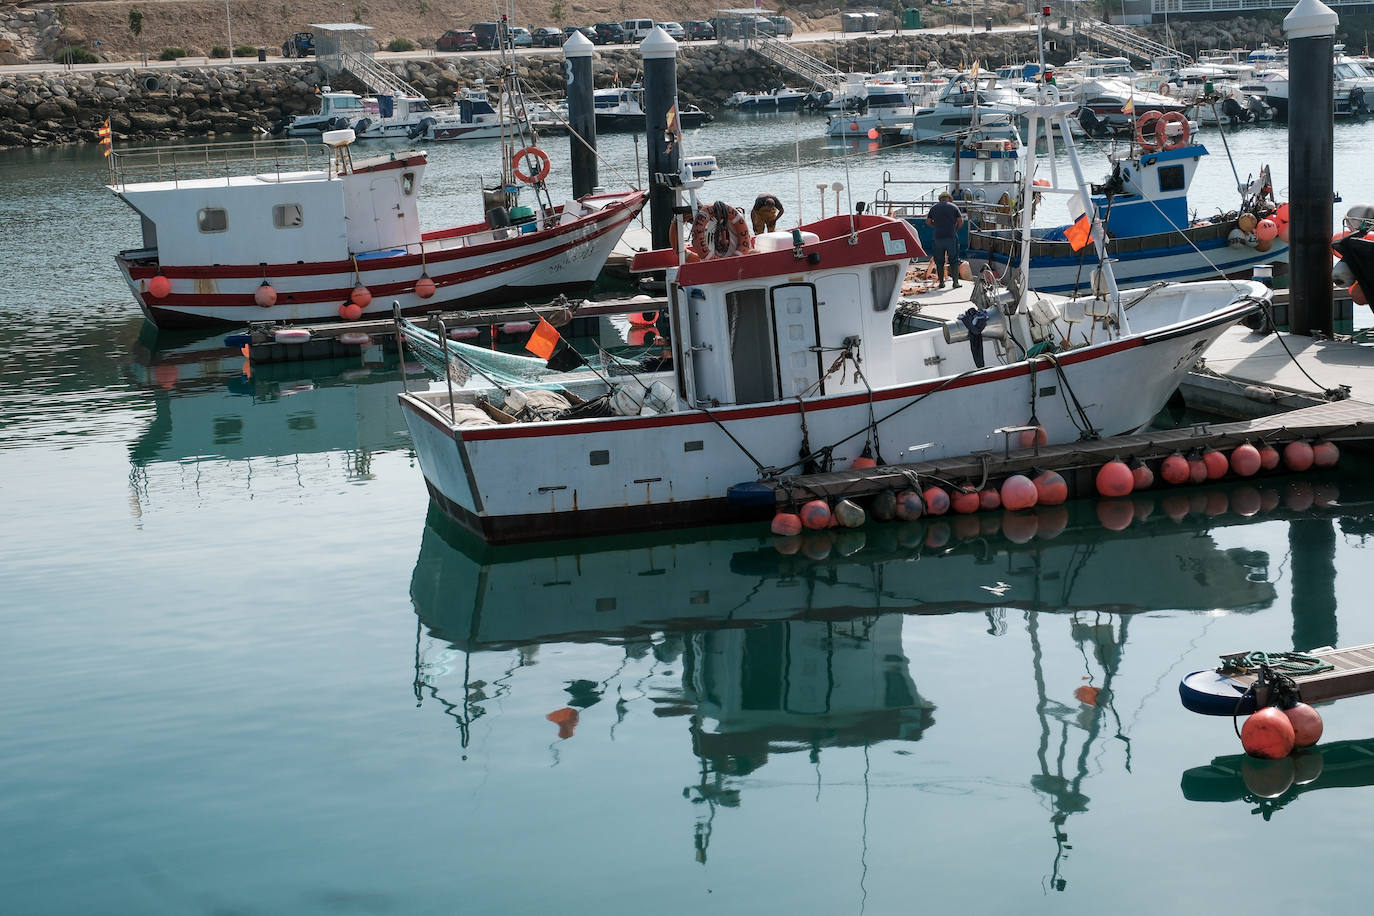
[
  {"x": 577, "y": 70},
  {"x": 664, "y": 145},
  {"x": 1311, "y": 31}
]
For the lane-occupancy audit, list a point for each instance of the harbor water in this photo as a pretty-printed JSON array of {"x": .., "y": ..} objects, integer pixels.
[{"x": 248, "y": 669}]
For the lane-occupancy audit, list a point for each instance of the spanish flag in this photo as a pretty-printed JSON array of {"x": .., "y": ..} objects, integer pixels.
[
  {"x": 1080, "y": 232},
  {"x": 544, "y": 340},
  {"x": 105, "y": 143},
  {"x": 1129, "y": 107}
]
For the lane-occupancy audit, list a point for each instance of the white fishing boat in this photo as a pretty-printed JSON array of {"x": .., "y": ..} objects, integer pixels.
[
  {"x": 785, "y": 358},
  {"x": 883, "y": 103},
  {"x": 337, "y": 110},
  {"x": 1151, "y": 235},
  {"x": 783, "y": 98},
  {"x": 283, "y": 231},
  {"x": 969, "y": 100}
]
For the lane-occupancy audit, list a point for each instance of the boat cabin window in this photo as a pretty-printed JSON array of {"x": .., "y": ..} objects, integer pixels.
[
  {"x": 1171, "y": 178},
  {"x": 408, "y": 183},
  {"x": 213, "y": 219},
  {"x": 287, "y": 216},
  {"x": 884, "y": 279}
]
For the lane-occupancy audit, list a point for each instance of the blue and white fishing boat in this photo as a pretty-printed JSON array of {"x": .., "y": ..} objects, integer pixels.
[{"x": 1150, "y": 238}]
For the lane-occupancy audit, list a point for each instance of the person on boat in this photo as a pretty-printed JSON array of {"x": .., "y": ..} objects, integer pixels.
[{"x": 946, "y": 219}]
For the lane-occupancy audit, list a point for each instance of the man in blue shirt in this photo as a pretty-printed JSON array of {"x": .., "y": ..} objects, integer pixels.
[{"x": 946, "y": 218}]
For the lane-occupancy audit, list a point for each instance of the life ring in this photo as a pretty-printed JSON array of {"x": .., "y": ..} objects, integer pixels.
[
  {"x": 1163, "y": 88},
  {"x": 643, "y": 319},
  {"x": 519, "y": 159},
  {"x": 731, "y": 237},
  {"x": 1146, "y": 134},
  {"x": 1162, "y": 138}
]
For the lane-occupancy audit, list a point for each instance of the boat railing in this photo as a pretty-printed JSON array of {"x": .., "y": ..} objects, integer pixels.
[{"x": 267, "y": 159}]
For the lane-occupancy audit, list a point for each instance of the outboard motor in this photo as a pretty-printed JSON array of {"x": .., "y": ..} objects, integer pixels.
[
  {"x": 1234, "y": 112},
  {"x": 1259, "y": 109},
  {"x": 1091, "y": 124}
]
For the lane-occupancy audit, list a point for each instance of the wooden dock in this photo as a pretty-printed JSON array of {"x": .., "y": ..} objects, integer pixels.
[
  {"x": 1351, "y": 674},
  {"x": 1348, "y": 423}
]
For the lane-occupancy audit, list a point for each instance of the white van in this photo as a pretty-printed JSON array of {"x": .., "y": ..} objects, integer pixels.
[{"x": 637, "y": 29}]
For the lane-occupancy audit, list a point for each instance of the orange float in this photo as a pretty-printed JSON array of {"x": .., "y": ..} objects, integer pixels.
[
  {"x": 1268, "y": 734},
  {"x": 1018, "y": 493},
  {"x": 1114, "y": 479},
  {"x": 936, "y": 500},
  {"x": 786, "y": 524}
]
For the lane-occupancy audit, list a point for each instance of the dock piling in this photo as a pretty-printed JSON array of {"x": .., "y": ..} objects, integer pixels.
[
  {"x": 577, "y": 66},
  {"x": 659, "y": 51}
]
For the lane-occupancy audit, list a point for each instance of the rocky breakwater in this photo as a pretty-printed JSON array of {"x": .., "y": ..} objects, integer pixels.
[{"x": 62, "y": 107}]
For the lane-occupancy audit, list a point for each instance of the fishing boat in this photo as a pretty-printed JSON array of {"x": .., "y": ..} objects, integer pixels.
[
  {"x": 783, "y": 98},
  {"x": 622, "y": 108},
  {"x": 785, "y": 358},
  {"x": 882, "y": 102},
  {"x": 337, "y": 111},
  {"x": 1150, "y": 235},
  {"x": 285, "y": 231}
]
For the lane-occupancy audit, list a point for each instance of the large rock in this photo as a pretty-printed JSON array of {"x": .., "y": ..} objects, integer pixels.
[{"x": 151, "y": 120}]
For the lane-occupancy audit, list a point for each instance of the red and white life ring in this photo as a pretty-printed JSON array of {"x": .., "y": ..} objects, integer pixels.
[
  {"x": 731, "y": 235},
  {"x": 1162, "y": 138},
  {"x": 522, "y": 156},
  {"x": 1146, "y": 130}
]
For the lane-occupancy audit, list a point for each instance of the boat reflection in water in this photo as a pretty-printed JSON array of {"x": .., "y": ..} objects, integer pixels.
[
  {"x": 783, "y": 654},
  {"x": 210, "y": 405}
]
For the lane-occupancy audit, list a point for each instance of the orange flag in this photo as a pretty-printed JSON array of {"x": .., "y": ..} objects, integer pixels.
[
  {"x": 1080, "y": 232},
  {"x": 544, "y": 340}
]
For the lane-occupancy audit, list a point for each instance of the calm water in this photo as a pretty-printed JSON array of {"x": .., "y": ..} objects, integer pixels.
[{"x": 247, "y": 670}]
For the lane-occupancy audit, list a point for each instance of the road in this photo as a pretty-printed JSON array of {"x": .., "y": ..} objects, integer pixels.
[{"x": 275, "y": 60}]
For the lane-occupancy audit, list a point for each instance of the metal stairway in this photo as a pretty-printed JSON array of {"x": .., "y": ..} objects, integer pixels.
[
  {"x": 802, "y": 65},
  {"x": 377, "y": 78},
  {"x": 1130, "y": 43}
]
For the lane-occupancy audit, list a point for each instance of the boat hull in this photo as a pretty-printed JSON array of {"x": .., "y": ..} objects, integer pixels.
[
  {"x": 469, "y": 269},
  {"x": 535, "y": 481},
  {"x": 1198, "y": 253}
]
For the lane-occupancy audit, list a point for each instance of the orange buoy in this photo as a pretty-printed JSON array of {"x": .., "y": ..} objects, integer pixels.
[
  {"x": 1114, "y": 479},
  {"x": 360, "y": 296},
  {"x": 1051, "y": 521},
  {"x": 910, "y": 506},
  {"x": 1030, "y": 438},
  {"x": 1266, "y": 229},
  {"x": 1268, "y": 734},
  {"x": 1197, "y": 469},
  {"x": 1018, "y": 493},
  {"x": 1050, "y": 488},
  {"x": 424, "y": 287},
  {"x": 350, "y": 312},
  {"x": 1269, "y": 457},
  {"x": 566, "y": 720},
  {"x": 936, "y": 500},
  {"x": 848, "y": 514},
  {"x": 1297, "y": 456},
  {"x": 786, "y": 524},
  {"x": 816, "y": 515},
  {"x": 1019, "y": 527},
  {"x": 1307, "y": 724},
  {"x": 1087, "y": 695},
  {"x": 1245, "y": 460},
  {"x": 1115, "y": 514},
  {"x": 1325, "y": 454},
  {"x": 989, "y": 499},
  {"x": 1174, "y": 469},
  {"x": 643, "y": 319},
  {"x": 964, "y": 501},
  {"x": 1175, "y": 505},
  {"x": 265, "y": 295},
  {"x": 1216, "y": 464},
  {"x": 1299, "y": 495},
  {"x": 816, "y": 544},
  {"x": 159, "y": 286},
  {"x": 1142, "y": 478},
  {"x": 1245, "y": 501},
  {"x": 938, "y": 534},
  {"x": 863, "y": 461}
]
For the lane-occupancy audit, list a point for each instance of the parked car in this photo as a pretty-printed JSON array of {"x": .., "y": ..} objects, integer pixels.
[
  {"x": 520, "y": 37},
  {"x": 609, "y": 33},
  {"x": 299, "y": 45},
  {"x": 487, "y": 33},
  {"x": 546, "y": 36},
  {"x": 764, "y": 26},
  {"x": 637, "y": 29},
  {"x": 457, "y": 40},
  {"x": 782, "y": 26},
  {"x": 675, "y": 30},
  {"x": 584, "y": 29},
  {"x": 699, "y": 30}
]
